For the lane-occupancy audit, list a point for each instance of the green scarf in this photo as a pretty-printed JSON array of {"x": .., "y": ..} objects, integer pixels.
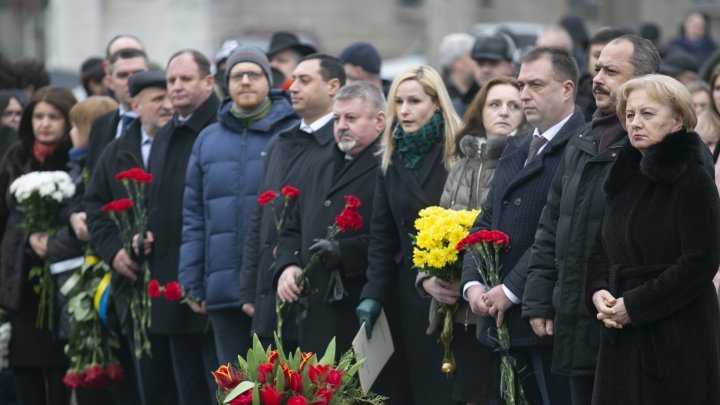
[
  {"x": 413, "y": 146},
  {"x": 249, "y": 118}
]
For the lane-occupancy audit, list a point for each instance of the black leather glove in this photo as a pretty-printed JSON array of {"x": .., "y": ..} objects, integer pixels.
[
  {"x": 329, "y": 251},
  {"x": 367, "y": 312}
]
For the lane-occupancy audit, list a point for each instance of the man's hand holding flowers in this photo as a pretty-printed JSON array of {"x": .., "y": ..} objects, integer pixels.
[
  {"x": 124, "y": 265},
  {"x": 445, "y": 292},
  {"x": 287, "y": 289},
  {"x": 498, "y": 303}
]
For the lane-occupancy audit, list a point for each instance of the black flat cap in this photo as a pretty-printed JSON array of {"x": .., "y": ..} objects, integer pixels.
[
  {"x": 141, "y": 80},
  {"x": 283, "y": 40},
  {"x": 492, "y": 47},
  {"x": 678, "y": 61}
]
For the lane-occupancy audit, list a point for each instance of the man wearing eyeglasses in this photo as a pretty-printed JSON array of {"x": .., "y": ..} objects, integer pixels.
[{"x": 223, "y": 178}]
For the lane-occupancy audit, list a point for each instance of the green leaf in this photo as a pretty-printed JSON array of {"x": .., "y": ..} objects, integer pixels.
[
  {"x": 242, "y": 363},
  {"x": 241, "y": 388},
  {"x": 279, "y": 379},
  {"x": 279, "y": 348},
  {"x": 255, "y": 396},
  {"x": 329, "y": 357},
  {"x": 260, "y": 353},
  {"x": 353, "y": 370},
  {"x": 252, "y": 370}
]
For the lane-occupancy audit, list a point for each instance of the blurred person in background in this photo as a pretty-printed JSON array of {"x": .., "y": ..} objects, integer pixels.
[
  {"x": 32, "y": 75},
  {"x": 456, "y": 65},
  {"x": 694, "y": 37},
  {"x": 284, "y": 54},
  {"x": 92, "y": 77},
  {"x": 363, "y": 62},
  {"x": 36, "y": 356}
]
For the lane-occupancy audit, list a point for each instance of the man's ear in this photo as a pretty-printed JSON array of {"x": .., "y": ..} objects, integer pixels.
[{"x": 333, "y": 86}]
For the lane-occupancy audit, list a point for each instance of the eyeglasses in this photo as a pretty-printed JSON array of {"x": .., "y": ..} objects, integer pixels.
[
  {"x": 10, "y": 113},
  {"x": 252, "y": 76}
]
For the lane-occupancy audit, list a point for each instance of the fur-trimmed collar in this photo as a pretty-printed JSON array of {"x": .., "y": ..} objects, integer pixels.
[{"x": 663, "y": 162}]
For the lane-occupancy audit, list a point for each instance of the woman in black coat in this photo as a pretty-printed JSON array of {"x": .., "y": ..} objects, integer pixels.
[
  {"x": 414, "y": 154},
  {"x": 35, "y": 355},
  {"x": 651, "y": 277}
]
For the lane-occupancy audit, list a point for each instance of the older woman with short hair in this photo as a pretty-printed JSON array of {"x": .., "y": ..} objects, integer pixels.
[{"x": 651, "y": 274}]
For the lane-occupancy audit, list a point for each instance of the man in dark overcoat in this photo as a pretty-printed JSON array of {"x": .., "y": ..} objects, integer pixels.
[
  {"x": 555, "y": 290},
  {"x": 127, "y": 152},
  {"x": 548, "y": 79},
  {"x": 334, "y": 284}
]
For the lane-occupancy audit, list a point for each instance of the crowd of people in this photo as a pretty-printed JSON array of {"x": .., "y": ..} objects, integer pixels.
[{"x": 596, "y": 155}]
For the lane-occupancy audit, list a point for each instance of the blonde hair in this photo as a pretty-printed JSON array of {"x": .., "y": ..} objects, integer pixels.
[
  {"x": 434, "y": 87},
  {"x": 661, "y": 88},
  {"x": 84, "y": 113}
]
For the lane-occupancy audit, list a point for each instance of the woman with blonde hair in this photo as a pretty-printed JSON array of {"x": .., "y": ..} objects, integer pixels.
[
  {"x": 416, "y": 151},
  {"x": 650, "y": 274}
]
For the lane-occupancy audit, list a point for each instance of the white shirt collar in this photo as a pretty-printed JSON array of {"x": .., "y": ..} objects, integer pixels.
[
  {"x": 550, "y": 133},
  {"x": 317, "y": 124}
]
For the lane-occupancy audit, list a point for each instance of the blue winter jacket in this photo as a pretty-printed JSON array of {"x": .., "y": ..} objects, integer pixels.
[{"x": 221, "y": 187}]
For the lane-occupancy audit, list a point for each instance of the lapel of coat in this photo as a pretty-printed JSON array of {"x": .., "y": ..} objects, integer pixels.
[
  {"x": 415, "y": 183},
  {"x": 365, "y": 163}
]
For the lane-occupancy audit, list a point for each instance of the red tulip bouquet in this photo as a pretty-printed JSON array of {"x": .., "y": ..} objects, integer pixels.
[
  {"x": 135, "y": 182},
  {"x": 269, "y": 377},
  {"x": 485, "y": 247}
]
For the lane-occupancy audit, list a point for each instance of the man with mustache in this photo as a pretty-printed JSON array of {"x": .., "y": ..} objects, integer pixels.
[
  {"x": 554, "y": 297},
  {"x": 548, "y": 79}
]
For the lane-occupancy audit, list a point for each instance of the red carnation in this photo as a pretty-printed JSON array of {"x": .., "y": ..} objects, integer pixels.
[
  {"x": 122, "y": 205},
  {"x": 269, "y": 396},
  {"x": 266, "y": 197},
  {"x": 297, "y": 400},
  {"x": 122, "y": 175},
  {"x": 500, "y": 238},
  {"x": 153, "y": 289},
  {"x": 173, "y": 292},
  {"x": 290, "y": 192},
  {"x": 108, "y": 207},
  {"x": 349, "y": 219},
  {"x": 352, "y": 202},
  {"x": 243, "y": 399},
  {"x": 95, "y": 376},
  {"x": 114, "y": 372},
  {"x": 263, "y": 371},
  {"x": 74, "y": 379}
]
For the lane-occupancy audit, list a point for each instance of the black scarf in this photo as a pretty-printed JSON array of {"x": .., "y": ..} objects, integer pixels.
[{"x": 606, "y": 129}]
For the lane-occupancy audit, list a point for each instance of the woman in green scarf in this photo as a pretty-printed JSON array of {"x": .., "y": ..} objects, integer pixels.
[{"x": 415, "y": 153}]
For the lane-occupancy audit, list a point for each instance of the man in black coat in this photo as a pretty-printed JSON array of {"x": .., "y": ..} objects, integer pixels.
[
  {"x": 348, "y": 169},
  {"x": 318, "y": 77},
  {"x": 121, "y": 65},
  {"x": 554, "y": 298},
  {"x": 130, "y": 151},
  {"x": 548, "y": 78},
  {"x": 190, "y": 90}
]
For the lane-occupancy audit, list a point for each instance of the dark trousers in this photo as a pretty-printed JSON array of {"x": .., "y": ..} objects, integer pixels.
[
  {"x": 126, "y": 391},
  {"x": 581, "y": 389},
  {"x": 8, "y": 393},
  {"x": 540, "y": 385},
  {"x": 232, "y": 333},
  {"x": 38, "y": 386},
  {"x": 194, "y": 357},
  {"x": 156, "y": 382}
]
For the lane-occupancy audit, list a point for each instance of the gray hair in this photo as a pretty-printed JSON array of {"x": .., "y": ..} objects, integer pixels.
[
  {"x": 454, "y": 46},
  {"x": 645, "y": 57},
  {"x": 369, "y": 93}
]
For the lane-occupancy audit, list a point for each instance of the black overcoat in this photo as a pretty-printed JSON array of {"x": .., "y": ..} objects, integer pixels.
[
  {"x": 322, "y": 199},
  {"x": 399, "y": 197},
  {"x": 517, "y": 196},
  {"x": 102, "y": 132},
  {"x": 659, "y": 252}
]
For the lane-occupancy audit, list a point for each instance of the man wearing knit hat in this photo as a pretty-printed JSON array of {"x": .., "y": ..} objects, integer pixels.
[
  {"x": 222, "y": 182},
  {"x": 362, "y": 62}
]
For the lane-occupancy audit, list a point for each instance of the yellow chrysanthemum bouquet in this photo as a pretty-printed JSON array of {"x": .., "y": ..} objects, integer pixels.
[{"x": 439, "y": 231}]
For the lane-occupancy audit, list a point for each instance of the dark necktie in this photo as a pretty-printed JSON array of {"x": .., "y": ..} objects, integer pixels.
[
  {"x": 125, "y": 121},
  {"x": 535, "y": 145}
]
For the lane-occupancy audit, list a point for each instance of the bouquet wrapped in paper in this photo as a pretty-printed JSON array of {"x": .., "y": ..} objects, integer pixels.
[
  {"x": 40, "y": 196},
  {"x": 269, "y": 377},
  {"x": 439, "y": 231}
]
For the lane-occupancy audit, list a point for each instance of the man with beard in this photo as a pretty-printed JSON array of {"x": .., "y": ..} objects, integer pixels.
[
  {"x": 554, "y": 297},
  {"x": 348, "y": 169},
  {"x": 223, "y": 179},
  {"x": 150, "y": 102}
]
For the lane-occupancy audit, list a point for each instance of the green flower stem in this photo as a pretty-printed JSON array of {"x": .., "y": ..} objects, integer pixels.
[
  {"x": 45, "y": 291},
  {"x": 278, "y": 317},
  {"x": 446, "y": 335}
]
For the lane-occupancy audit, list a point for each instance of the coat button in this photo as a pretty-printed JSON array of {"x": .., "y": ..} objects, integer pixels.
[
  {"x": 505, "y": 203},
  {"x": 327, "y": 203},
  {"x": 518, "y": 201},
  {"x": 613, "y": 155}
]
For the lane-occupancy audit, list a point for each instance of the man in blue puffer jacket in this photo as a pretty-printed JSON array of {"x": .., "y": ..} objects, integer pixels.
[{"x": 222, "y": 182}]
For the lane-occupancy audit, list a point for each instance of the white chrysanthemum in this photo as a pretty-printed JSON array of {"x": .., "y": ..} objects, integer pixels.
[{"x": 56, "y": 185}]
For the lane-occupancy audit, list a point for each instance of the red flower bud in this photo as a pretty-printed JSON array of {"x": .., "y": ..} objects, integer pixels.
[
  {"x": 114, "y": 372},
  {"x": 297, "y": 400},
  {"x": 290, "y": 192},
  {"x": 272, "y": 356},
  {"x": 153, "y": 289},
  {"x": 266, "y": 197},
  {"x": 172, "y": 292},
  {"x": 225, "y": 378},
  {"x": 243, "y": 399},
  {"x": 95, "y": 376},
  {"x": 334, "y": 379},
  {"x": 74, "y": 379},
  {"x": 318, "y": 373},
  {"x": 322, "y": 397},
  {"x": 263, "y": 371}
]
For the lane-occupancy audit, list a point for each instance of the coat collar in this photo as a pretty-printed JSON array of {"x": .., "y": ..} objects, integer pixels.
[
  {"x": 202, "y": 116},
  {"x": 663, "y": 162},
  {"x": 367, "y": 161}
]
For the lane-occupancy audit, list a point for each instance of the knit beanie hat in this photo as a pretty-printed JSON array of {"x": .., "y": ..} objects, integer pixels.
[{"x": 249, "y": 54}]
